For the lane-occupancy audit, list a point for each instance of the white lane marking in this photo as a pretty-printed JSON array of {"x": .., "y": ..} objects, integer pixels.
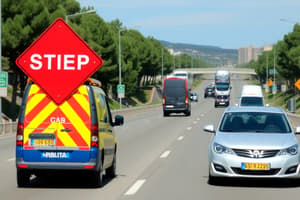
[
  {"x": 195, "y": 122},
  {"x": 165, "y": 154},
  {"x": 180, "y": 138},
  {"x": 189, "y": 128},
  {"x": 135, "y": 187},
  {"x": 202, "y": 115},
  {"x": 198, "y": 118},
  {"x": 11, "y": 159}
]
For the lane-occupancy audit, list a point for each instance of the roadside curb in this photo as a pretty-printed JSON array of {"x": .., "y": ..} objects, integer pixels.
[{"x": 292, "y": 114}]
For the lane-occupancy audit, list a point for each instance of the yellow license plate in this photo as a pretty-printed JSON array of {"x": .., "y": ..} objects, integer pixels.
[
  {"x": 43, "y": 142},
  {"x": 255, "y": 166}
]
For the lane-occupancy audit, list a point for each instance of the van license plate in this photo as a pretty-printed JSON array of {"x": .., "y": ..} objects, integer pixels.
[
  {"x": 169, "y": 106},
  {"x": 43, "y": 142},
  {"x": 255, "y": 166}
]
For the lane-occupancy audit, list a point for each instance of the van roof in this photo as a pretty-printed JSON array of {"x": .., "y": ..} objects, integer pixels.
[
  {"x": 252, "y": 91},
  {"x": 174, "y": 78},
  {"x": 180, "y": 71},
  {"x": 222, "y": 72}
]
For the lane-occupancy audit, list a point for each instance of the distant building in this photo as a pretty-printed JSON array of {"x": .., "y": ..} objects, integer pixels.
[
  {"x": 174, "y": 53},
  {"x": 268, "y": 48},
  {"x": 246, "y": 54}
]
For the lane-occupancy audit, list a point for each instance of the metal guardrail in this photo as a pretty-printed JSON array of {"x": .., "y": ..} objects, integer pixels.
[{"x": 8, "y": 128}]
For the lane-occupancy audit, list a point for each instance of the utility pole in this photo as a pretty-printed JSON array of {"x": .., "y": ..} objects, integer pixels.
[
  {"x": 174, "y": 63},
  {"x": 267, "y": 72}
]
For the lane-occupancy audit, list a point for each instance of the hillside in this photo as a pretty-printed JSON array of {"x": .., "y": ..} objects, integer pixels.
[{"x": 211, "y": 54}]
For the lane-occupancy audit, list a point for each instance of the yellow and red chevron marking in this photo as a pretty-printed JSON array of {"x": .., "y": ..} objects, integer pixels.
[{"x": 42, "y": 115}]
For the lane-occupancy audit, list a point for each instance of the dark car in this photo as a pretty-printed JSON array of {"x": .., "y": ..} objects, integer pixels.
[
  {"x": 209, "y": 91},
  {"x": 222, "y": 100},
  {"x": 176, "y": 97}
]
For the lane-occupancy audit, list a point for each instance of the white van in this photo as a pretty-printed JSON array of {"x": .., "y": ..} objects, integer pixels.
[
  {"x": 186, "y": 75},
  {"x": 252, "y": 96}
]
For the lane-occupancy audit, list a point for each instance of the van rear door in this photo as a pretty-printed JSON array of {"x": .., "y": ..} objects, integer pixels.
[
  {"x": 175, "y": 92},
  {"x": 59, "y": 133}
]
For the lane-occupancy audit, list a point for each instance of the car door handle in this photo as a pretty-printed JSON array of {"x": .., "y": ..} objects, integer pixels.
[{"x": 66, "y": 130}]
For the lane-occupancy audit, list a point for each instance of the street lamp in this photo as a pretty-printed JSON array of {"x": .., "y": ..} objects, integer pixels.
[
  {"x": 120, "y": 61},
  {"x": 80, "y": 13}
]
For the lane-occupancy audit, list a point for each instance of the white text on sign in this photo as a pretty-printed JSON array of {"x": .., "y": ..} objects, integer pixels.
[{"x": 61, "y": 62}]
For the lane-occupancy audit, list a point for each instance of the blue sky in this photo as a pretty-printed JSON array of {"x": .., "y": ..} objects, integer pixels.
[{"x": 222, "y": 23}]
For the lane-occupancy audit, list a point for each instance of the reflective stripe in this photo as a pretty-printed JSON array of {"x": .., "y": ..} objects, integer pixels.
[
  {"x": 42, "y": 115},
  {"x": 39, "y": 118},
  {"x": 76, "y": 121},
  {"x": 65, "y": 138}
]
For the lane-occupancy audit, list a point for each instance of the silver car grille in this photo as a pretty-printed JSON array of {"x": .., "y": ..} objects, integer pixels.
[{"x": 254, "y": 153}]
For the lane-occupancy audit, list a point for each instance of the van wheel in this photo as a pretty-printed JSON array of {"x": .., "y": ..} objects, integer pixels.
[
  {"x": 23, "y": 178},
  {"x": 111, "y": 171},
  {"x": 166, "y": 114},
  {"x": 98, "y": 177},
  {"x": 188, "y": 113}
]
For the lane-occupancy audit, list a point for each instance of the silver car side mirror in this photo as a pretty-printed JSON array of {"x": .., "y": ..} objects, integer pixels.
[
  {"x": 297, "y": 131},
  {"x": 209, "y": 128}
]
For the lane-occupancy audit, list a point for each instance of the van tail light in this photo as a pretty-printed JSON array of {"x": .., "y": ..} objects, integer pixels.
[
  {"x": 19, "y": 137},
  {"x": 186, "y": 100},
  {"x": 163, "y": 101},
  {"x": 94, "y": 136}
]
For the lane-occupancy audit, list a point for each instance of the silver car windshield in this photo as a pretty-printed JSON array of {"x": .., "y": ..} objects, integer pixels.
[{"x": 260, "y": 122}]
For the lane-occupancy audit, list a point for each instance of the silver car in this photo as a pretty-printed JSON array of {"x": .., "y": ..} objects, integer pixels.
[
  {"x": 194, "y": 96},
  {"x": 253, "y": 142}
]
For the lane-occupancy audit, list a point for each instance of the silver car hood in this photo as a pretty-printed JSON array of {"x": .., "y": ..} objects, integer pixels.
[{"x": 261, "y": 141}]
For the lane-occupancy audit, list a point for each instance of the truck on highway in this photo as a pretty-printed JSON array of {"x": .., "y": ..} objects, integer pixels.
[
  {"x": 222, "y": 83},
  {"x": 222, "y": 76}
]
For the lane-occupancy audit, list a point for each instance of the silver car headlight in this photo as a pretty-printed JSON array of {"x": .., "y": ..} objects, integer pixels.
[
  {"x": 221, "y": 149},
  {"x": 293, "y": 150}
]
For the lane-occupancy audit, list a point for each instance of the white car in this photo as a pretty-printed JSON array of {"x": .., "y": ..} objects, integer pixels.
[
  {"x": 194, "y": 96},
  {"x": 253, "y": 142}
]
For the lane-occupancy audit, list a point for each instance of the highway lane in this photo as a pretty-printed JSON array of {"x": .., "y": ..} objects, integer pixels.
[
  {"x": 184, "y": 173},
  {"x": 158, "y": 158}
]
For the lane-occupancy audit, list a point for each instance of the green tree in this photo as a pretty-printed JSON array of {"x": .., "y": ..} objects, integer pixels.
[{"x": 22, "y": 22}]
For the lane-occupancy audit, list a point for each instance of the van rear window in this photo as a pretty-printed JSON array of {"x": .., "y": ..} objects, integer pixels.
[
  {"x": 252, "y": 101},
  {"x": 175, "y": 87}
]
